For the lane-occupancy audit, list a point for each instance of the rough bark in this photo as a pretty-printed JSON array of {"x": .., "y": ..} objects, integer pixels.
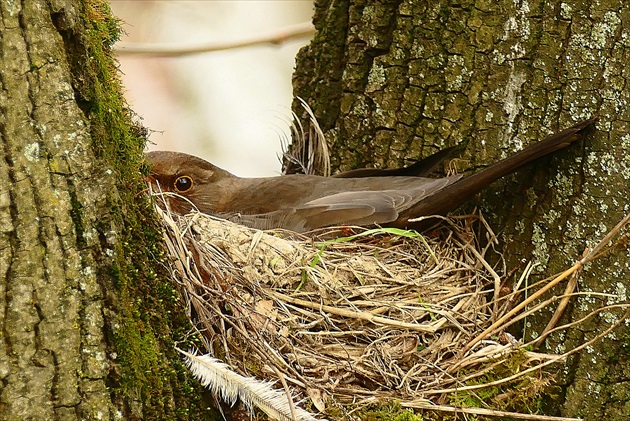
[
  {"x": 393, "y": 80},
  {"x": 87, "y": 313}
]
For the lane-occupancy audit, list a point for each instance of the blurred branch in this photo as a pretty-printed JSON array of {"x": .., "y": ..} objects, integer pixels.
[{"x": 280, "y": 36}]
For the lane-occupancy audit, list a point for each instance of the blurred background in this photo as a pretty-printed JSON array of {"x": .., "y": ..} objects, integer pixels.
[{"x": 230, "y": 107}]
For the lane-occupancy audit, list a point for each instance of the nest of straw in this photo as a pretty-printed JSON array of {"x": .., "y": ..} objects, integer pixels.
[{"x": 371, "y": 317}]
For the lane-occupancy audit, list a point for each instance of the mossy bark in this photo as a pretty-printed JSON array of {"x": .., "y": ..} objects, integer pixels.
[
  {"x": 391, "y": 81},
  {"x": 88, "y": 315}
]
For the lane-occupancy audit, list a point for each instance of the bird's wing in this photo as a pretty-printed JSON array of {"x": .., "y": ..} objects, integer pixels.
[
  {"x": 346, "y": 208},
  {"x": 354, "y": 208},
  {"x": 420, "y": 168}
]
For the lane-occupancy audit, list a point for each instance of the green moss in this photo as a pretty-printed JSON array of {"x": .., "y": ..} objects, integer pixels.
[
  {"x": 147, "y": 319},
  {"x": 625, "y": 345},
  {"x": 525, "y": 394},
  {"x": 76, "y": 218},
  {"x": 389, "y": 412}
]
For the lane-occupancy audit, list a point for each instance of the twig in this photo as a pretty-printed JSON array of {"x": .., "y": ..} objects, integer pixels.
[
  {"x": 280, "y": 36},
  {"x": 576, "y": 267},
  {"x": 362, "y": 315},
  {"x": 539, "y": 366},
  {"x": 422, "y": 404}
]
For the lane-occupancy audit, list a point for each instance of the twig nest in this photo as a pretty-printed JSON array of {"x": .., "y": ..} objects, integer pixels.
[{"x": 381, "y": 314}]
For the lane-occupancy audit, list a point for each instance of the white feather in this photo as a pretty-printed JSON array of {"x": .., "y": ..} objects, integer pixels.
[{"x": 221, "y": 380}]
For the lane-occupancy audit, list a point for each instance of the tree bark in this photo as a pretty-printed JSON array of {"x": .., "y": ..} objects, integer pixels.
[
  {"x": 394, "y": 80},
  {"x": 87, "y": 313}
]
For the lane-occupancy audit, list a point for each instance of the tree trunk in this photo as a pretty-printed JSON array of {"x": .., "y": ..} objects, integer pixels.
[
  {"x": 87, "y": 313},
  {"x": 394, "y": 80}
]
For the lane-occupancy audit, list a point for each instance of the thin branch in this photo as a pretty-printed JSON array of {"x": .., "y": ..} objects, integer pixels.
[{"x": 280, "y": 36}]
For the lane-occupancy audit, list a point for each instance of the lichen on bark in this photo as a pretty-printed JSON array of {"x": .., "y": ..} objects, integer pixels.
[
  {"x": 88, "y": 313},
  {"x": 396, "y": 80}
]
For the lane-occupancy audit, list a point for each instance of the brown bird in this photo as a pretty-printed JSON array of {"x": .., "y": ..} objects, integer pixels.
[{"x": 304, "y": 202}]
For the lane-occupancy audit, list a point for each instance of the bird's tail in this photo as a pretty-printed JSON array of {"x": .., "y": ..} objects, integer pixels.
[{"x": 457, "y": 193}]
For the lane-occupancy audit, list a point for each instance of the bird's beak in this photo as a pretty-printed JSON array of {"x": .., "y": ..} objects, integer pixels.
[
  {"x": 151, "y": 178},
  {"x": 152, "y": 182}
]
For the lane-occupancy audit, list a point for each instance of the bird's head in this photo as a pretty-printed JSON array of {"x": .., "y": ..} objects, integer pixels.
[{"x": 184, "y": 180}]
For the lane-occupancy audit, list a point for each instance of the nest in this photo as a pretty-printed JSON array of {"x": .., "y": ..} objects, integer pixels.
[{"x": 374, "y": 316}]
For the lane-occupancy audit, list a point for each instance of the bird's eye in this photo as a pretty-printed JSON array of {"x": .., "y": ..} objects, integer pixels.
[{"x": 183, "y": 183}]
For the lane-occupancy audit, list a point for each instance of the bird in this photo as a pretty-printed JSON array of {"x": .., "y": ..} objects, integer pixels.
[{"x": 366, "y": 197}]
